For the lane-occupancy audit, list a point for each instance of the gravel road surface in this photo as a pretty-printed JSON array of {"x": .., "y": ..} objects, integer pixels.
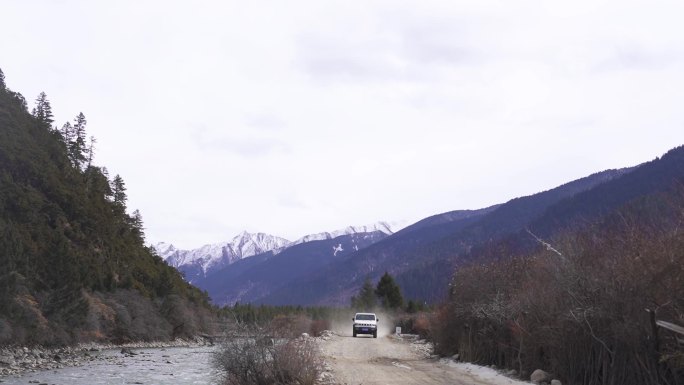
[{"x": 392, "y": 360}]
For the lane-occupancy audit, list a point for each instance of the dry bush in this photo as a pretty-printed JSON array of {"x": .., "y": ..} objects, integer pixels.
[
  {"x": 289, "y": 326},
  {"x": 297, "y": 361},
  {"x": 256, "y": 358},
  {"x": 318, "y": 326},
  {"x": 581, "y": 314},
  {"x": 421, "y": 325},
  {"x": 415, "y": 323}
]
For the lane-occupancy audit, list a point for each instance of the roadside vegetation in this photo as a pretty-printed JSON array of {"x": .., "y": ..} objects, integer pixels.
[
  {"x": 578, "y": 307},
  {"x": 386, "y": 297},
  {"x": 290, "y": 320},
  {"x": 277, "y": 352}
]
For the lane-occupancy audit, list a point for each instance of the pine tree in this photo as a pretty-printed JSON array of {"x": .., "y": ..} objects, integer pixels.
[
  {"x": 119, "y": 192},
  {"x": 91, "y": 151},
  {"x": 108, "y": 192},
  {"x": 67, "y": 133},
  {"x": 389, "y": 293},
  {"x": 43, "y": 111},
  {"x": 3, "y": 86},
  {"x": 77, "y": 146},
  {"x": 366, "y": 299},
  {"x": 137, "y": 224}
]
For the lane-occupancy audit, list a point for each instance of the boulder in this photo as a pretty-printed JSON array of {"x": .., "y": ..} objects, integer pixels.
[
  {"x": 128, "y": 352},
  {"x": 556, "y": 382},
  {"x": 539, "y": 376},
  {"x": 7, "y": 360}
]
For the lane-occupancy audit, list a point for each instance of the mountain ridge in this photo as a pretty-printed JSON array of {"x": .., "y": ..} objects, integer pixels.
[
  {"x": 425, "y": 256},
  {"x": 198, "y": 262},
  {"x": 252, "y": 278}
]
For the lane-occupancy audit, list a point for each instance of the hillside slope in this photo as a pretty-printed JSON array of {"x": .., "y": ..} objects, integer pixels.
[
  {"x": 424, "y": 257},
  {"x": 253, "y": 278},
  {"x": 73, "y": 264}
]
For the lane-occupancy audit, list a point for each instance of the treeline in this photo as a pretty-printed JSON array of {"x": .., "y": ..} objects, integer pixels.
[
  {"x": 577, "y": 308},
  {"x": 284, "y": 321},
  {"x": 263, "y": 314},
  {"x": 385, "y": 295},
  {"x": 66, "y": 234}
]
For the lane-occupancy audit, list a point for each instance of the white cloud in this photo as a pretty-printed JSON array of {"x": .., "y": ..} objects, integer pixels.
[{"x": 298, "y": 117}]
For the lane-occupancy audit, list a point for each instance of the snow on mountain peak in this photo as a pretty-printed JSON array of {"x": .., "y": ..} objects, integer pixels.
[
  {"x": 217, "y": 255},
  {"x": 246, "y": 244},
  {"x": 388, "y": 228},
  {"x": 164, "y": 248}
]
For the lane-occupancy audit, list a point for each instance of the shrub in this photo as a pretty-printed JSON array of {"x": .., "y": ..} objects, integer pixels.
[
  {"x": 318, "y": 326},
  {"x": 289, "y": 326},
  {"x": 415, "y": 323},
  {"x": 581, "y": 314},
  {"x": 255, "y": 357},
  {"x": 297, "y": 361}
]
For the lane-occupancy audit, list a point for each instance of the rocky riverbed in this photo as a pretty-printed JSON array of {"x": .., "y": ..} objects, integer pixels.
[
  {"x": 15, "y": 361},
  {"x": 154, "y": 366}
]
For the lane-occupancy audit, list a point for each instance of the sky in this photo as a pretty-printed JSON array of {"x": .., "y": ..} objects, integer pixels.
[{"x": 296, "y": 117}]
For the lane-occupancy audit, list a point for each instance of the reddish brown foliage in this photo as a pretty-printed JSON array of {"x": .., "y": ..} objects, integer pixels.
[{"x": 581, "y": 314}]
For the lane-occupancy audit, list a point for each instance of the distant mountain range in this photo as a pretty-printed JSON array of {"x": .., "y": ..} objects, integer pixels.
[
  {"x": 198, "y": 263},
  {"x": 329, "y": 268}
]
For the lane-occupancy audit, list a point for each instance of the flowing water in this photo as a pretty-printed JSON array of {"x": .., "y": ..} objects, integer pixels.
[{"x": 149, "y": 366}]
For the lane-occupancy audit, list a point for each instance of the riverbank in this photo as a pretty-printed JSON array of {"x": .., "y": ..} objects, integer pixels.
[{"x": 19, "y": 360}]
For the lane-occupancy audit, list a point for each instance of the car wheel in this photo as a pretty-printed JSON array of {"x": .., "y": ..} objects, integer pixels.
[
  {"x": 375, "y": 334},
  {"x": 354, "y": 333}
]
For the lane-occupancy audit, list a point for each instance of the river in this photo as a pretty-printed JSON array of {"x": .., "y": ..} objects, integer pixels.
[{"x": 178, "y": 366}]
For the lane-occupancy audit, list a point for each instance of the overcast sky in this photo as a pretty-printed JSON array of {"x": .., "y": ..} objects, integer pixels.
[{"x": 291, "y": 117}]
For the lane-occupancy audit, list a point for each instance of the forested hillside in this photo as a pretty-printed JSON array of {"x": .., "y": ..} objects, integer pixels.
[{"x": 73, "y": 264}]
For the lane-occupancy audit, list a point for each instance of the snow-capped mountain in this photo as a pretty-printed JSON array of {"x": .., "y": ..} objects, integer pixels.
[
  {"x": 197, "y": 262},
  {"x": 252, "y": 278},
  {"x": 388, "y": 228}
]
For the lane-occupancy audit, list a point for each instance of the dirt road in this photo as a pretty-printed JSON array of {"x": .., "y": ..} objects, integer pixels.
[{"x": 390, "y": 360}]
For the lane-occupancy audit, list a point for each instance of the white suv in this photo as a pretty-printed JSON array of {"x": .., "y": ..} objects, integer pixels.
[{"x": 365, "y": 323}]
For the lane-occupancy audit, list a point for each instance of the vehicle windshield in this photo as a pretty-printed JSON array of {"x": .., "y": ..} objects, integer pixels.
[{"x": 365, "y": 317}]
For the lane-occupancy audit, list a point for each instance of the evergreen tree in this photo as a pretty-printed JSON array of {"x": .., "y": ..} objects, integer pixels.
[
  {"x": 137, "y": 224},
  {"x": 91, "y": 151},
  {"x": 2, "y": 81},
  {"x": 108, "y": 192},
  {"x": 389, "y": 293},
  {"x": 119, "y": 192},
  {"x": 415, "y": 306},
  {"x": 67, "y": 133},
  {"x": 366, "y": 299},
  {"x": 43, "y": 111},
  {"x": 77, "y": 145}
]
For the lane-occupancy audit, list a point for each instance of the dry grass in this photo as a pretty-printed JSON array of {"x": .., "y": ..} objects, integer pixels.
[{"x": 256, "y": 357}]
